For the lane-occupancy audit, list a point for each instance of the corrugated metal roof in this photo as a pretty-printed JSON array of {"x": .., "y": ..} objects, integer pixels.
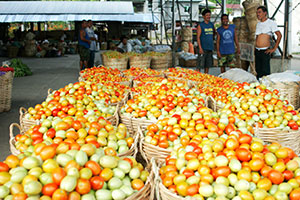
[
  {"x": 144, "y": 18},
  {"x": 66, "y": 7}
]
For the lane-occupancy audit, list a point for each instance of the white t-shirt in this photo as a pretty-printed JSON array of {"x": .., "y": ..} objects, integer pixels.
[
  {"x": 267, "y": 27},
  {"x": 127, "y": 48},
  {"x": 91, "y": 33}
]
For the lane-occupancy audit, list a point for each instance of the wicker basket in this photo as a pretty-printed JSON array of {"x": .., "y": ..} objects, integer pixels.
[
  {"x": 6, "y": 81},
  {"x": 188, "y": 63},
  {"x": 212, "y": 104},
  {"x": 133, "y": 149},
  {"x": 150, "y": 151},
  {"x": 159, "y": 62},
  {"x": 127, "y": 83},
  {"x": 140, "y": 61},
  {"x": 26, "y": 123},
  {"x": 288, "y": 90},
  {"x": 286, "y": 138},
  {"x": 132, "y": 124},
  {"x": 114, "y": 119},
  {"x": 148, "y": 191},
  {"x": 114, "y": 63},
  {"x": 12, "y": 51},
  {"x": 12, "y": 140}
]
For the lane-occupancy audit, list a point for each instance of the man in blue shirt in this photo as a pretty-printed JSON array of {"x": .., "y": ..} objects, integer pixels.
[
  {"x": 226, "y": 37},
  {"x": 205, "y": 40}
]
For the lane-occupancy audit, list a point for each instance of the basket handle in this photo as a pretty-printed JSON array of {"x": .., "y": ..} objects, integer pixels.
[
  {"x": 50, "y": 90},
  {"x": 136, "y": 149},
  {"x": 117, "y": 114},
  {"x": 11, "y": 129},
  {"x": 156, "y": 181},
  {"x": 142, "y": 140}
]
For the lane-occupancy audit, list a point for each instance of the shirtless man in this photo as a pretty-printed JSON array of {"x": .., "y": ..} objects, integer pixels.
[{"x": 264, "y": 31}]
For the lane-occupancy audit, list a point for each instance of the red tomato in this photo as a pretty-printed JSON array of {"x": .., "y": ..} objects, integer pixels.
[
  {"x": 93, "y": 166},
  {"x": 288, "y": 175},
  {"x": 57, "y": 175},
  {"x": 221, "y": 171},
  {"x": 83, "y": 186},
  {"x": 188, "y": 173},
  {"x": 97, "y": 182},
  {"x": 3, "y": 167},
  {"x": 276, "y": 177},
  {"x": 49, "y": 189},
  {"x": 243, "y": 154},
  {"x": 51, "y": 133}
]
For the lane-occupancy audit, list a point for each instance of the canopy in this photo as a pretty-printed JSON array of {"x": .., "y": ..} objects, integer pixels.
[{"x": 42, "y": 11}]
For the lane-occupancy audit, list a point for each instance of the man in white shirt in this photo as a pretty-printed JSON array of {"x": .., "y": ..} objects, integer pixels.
[
  {"x": 265, "y": 28},
  {"x": 124, "y": 45},
  {"x": 93, "y": 47}
]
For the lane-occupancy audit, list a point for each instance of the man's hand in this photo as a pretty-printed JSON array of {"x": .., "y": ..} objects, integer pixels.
[
  {"x": 219, "y": 54},
  {"x": 270, "y": 51},
  {"x": 201, "y": 51},
  {"x": 238, "y": 51}
]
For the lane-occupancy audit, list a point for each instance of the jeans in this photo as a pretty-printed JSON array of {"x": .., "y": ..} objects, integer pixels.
[
  {"x": 262, "y": 63},
  {"x": 92, "y": 59}
]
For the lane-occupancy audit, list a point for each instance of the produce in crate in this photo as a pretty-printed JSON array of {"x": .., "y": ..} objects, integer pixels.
[
  {"x": 75, "y": 174},
  {"x": 232, "y": 167},
  {"x": 73, "y": 133}
]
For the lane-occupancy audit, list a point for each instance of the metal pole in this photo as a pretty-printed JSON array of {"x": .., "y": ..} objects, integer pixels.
[
  {"x": 278, "y": 7},
  {"x": 173, "y": 33},
  {"x": 191, "y": 12},
  {"x": 223, "y": 6},
  {"x": 161, "y": 20},
  {"x": 286, "y": 20}
]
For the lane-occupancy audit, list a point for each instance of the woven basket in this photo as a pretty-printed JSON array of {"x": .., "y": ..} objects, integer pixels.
[
  {"x": 212, "y": 104},
  {"x": 12, "y": 140},
  {"x": 114, "y": 119},
  {"x": 150, "y": 151},
  {"x": 148, "y": 191},
  {"x": 286, "y": 138},
  {"x": 159, "y": 62},
  {"x": 187, "y": 34},
  {"x": 133, "y": 149},
  {"x": 132, "y": 124},
  {"x": 6, "y": 81},
  {"x": 288, "y": 90},
  {"x": 140, "y": 61},
  {"x": 12, "y": 51},
  {"x": 114, "y": 63},
  {"x": 26, "y": 123}
]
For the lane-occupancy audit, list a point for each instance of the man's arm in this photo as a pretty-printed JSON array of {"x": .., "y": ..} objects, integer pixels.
[
  {"x": 82, "y": 36},
  {"x": 198, "y": 39},
  {"x": 218, "y": 45},
  {"x": 236, "y": 42},
  {"x": 279, "y": 36}
]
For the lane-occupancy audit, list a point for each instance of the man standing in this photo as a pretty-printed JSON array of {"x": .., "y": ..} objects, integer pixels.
[
  {"x": 264, "y": 31},
  {"x": 84, "y": 46},
  {"x": 205, "y": 40},
  {"x": 92, "y": 37},
  {"x": 226, "y": 37}
]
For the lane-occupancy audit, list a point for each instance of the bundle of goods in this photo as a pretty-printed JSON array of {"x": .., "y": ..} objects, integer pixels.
[
  {"x": 6, "y": 82},
  {"x": 114, "y": 59},
  {"x": 141, "y": 60},
  {"x": 20, "y": 68},
  {"x": 239, "y": 75}
]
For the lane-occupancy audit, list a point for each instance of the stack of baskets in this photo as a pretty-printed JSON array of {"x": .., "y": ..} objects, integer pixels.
[{"x": 6, "y": 81}]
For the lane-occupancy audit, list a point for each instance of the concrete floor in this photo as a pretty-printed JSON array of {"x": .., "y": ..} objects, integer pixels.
[{"x": 49, "y": 73}]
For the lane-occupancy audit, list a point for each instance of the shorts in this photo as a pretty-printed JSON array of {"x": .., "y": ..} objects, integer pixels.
[
  {"x": 227, "y": 60},
  {"x": 205, "y": 60},
  {"x": 84, "y": 53}
]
